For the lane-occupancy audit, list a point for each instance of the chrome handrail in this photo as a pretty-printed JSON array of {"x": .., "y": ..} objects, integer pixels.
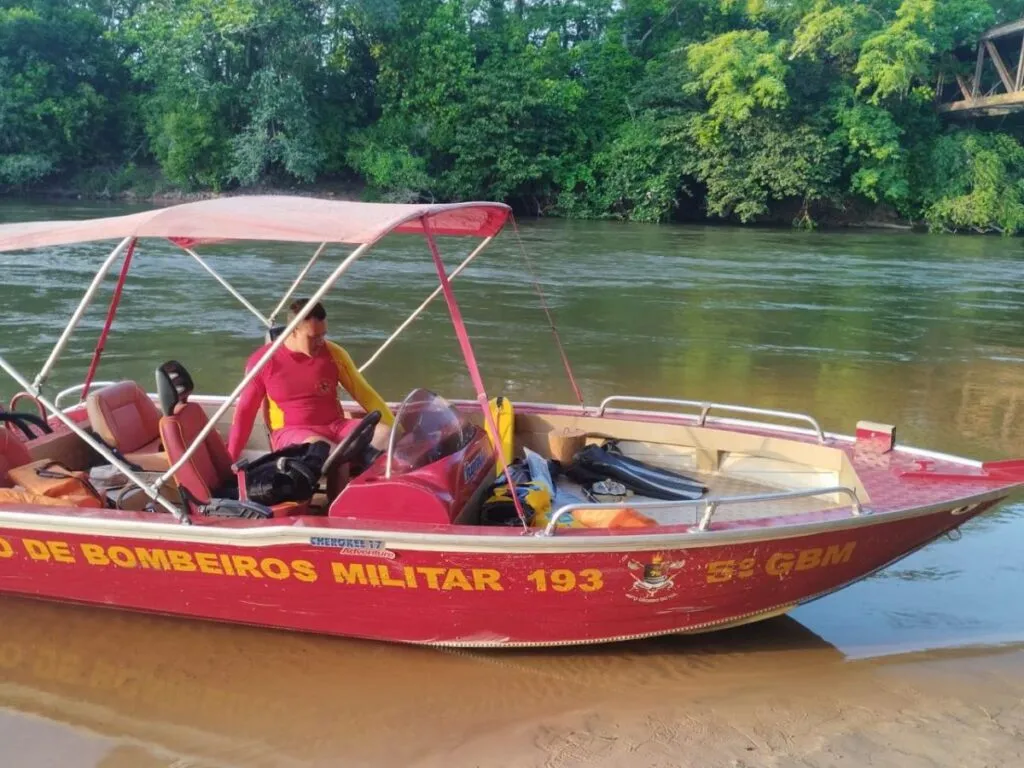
[
  {"x": 706, "y": 407},
  {"x": 711, "y": 505},
  {"x": 78, "y": 388}
]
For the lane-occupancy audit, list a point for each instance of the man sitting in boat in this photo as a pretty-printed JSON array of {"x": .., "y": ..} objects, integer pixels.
[{"x": 300, "y": 384}]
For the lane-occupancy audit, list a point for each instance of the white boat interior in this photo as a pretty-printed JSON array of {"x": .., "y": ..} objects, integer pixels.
[{"x": 730, "y": 464}]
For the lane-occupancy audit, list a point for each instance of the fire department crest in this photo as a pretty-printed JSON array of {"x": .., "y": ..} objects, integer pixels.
[
  {"x": 653, "y": 581},
  {"x": 323, "y": 387}
]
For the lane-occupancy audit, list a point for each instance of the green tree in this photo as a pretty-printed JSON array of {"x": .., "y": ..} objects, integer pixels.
[
  {"x": 641, "y": 109},
  {"x": 231, "y": 89},
  {"x": 59, "y": 90},
  {"x": 974, "y": 182}
]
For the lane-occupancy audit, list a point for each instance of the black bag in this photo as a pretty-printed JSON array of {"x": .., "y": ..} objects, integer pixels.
[{"x": 290, "y": 474}]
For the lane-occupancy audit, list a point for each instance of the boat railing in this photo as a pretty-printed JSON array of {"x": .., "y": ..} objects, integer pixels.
[
  {"x": 78, "y": 388},
  {"x": 706, "y": 407},
  {"x": 710, "y": 505}
]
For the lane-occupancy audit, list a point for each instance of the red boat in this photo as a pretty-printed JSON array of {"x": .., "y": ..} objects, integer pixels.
[{"x": 695, "y": 516}]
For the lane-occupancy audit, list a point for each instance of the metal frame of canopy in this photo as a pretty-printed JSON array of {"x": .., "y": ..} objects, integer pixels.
[{"x": 408, "y": 218}]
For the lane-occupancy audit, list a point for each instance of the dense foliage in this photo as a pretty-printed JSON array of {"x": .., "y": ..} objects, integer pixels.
[{"x": 638, "y": 109}]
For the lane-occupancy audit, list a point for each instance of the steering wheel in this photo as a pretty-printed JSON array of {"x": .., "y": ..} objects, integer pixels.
[
  {"x": 353, "y": 445},
  {"x": 23, "y": 421}
]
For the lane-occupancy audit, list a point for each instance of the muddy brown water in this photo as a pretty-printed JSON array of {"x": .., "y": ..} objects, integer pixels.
[{"x": 924, "y": 332}]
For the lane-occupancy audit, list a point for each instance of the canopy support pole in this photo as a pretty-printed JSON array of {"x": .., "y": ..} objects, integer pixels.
[
  {"x": 474, "y": 371},
  {"x": 251, "y": 374},
  {"x": 292, "y": 288},
  {"x": 419, "y": 310},
  {"x": 111, "y": 312},
  {"x": 62, "y": 342},
  {"x": 227, "y": 285},
  {"x": 100, "y": 448}
]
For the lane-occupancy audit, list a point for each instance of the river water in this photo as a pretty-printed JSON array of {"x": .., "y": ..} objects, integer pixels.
[{"x": 921, "y": 331}]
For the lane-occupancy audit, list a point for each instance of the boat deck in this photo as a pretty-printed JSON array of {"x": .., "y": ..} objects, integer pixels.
[
  {"x": 719, "y": 486},
  {"x": 773, "y": 463}
]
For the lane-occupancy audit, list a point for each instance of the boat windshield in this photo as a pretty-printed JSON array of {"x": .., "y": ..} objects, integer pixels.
[{"x": 427, "y": 429}]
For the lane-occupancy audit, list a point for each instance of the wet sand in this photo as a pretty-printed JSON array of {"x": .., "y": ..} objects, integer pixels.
[
  {"x": 94, "y": 688},
  {"x": 928, "y": 711}
]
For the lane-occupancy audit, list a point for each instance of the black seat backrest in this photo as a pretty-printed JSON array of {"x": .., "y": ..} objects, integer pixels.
[{"x": 174, "y": 385}]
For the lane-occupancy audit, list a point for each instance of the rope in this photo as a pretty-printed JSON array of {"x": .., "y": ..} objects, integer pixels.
[
  {"x": 551, "y": 320},
  {"x": 111, "y": 311}
]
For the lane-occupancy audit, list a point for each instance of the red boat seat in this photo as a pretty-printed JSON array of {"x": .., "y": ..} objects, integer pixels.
[
  {"x": 124, "y": 416},
  {"x": 208, "y": 474},
  {"x": 13, "y": 453}
]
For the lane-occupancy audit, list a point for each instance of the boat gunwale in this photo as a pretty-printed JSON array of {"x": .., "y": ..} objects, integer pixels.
[
  {"x": 714, "y": 422},
  {"x": 298, "y": 530},
  {"x": 291, "y": 531}
]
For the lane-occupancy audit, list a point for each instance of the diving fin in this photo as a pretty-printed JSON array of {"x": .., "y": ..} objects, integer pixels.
[{"x": 641, "y": 478}]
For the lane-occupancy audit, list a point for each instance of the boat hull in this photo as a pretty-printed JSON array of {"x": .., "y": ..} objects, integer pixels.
[{"x": 374, "y": 587}]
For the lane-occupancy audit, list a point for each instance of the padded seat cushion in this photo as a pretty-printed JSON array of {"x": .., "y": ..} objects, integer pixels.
[
  {"x": 125, "y": 417},
  {"x": 209, "y": 467},
  {"x": 151, "y": 447},
  {"x": 151, "y": 457}
]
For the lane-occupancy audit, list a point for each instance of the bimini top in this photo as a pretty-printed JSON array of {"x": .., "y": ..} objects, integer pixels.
[{"x": 265, "y": 217}]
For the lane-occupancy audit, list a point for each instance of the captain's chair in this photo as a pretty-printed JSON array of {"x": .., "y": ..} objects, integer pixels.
[
  {"x": 124, "y": 416},
  {"x": 208, "y": 476}
]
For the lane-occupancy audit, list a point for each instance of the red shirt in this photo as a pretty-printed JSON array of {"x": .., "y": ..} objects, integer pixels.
[{"x": 303, "y": 391}]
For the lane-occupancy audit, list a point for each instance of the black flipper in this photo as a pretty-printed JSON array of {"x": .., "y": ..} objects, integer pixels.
[{"x": 639, "y": 477}]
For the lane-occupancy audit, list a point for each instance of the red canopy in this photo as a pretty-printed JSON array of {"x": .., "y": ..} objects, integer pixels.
[{"x": 265, "y": 217}]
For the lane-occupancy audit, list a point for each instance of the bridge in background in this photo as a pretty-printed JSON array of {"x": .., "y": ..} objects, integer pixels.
[{"x": 995, "y": 88}]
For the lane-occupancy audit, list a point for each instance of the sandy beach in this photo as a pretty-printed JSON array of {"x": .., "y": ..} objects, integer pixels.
[
  {"x": 774, "y": 694},
  {"x": 931, "y": 711}
]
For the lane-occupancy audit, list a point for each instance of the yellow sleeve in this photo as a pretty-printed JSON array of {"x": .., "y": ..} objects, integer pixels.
[{"x": 354, "y": 383}]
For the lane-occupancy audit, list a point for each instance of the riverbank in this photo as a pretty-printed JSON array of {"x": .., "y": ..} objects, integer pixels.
[
  {"x": 147, "y": 185},
  {"x": 933, "y": 710},
  {"x": 771, "y": 696}
]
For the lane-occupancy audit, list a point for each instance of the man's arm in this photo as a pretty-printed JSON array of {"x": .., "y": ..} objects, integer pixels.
[
  {"x": 245, "y": 410},
  {"x": 354, "y": 383}
]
